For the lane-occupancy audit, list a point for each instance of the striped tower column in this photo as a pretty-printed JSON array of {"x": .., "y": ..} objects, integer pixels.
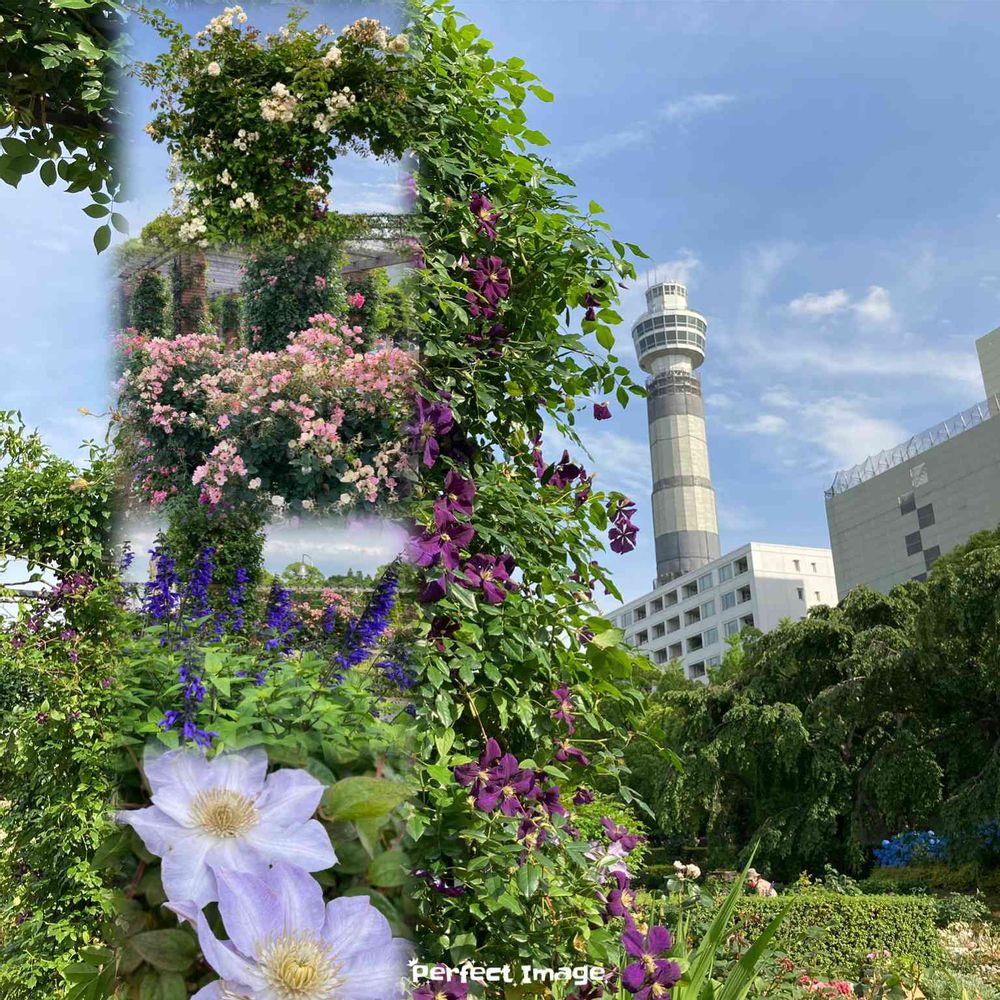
[{"x": 670, "y": 344}]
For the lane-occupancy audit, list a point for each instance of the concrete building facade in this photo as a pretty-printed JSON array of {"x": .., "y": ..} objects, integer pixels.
[
  {"x": 892, "y": 515},
  {"x": 757, "y": 585}
]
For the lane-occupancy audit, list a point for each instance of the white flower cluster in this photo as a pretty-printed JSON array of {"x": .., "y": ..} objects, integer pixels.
[
  {"x": 244, "y": 140},
  {"x": 246, "y": 200},
  {"x": 334, "y": 105},
  {"x": 280, "y": 106},
  {"x": 150, "y": 130},
  {"x": 399, "y": 44},
  {"x": 317, "y": 192},
  {"x": 213, "y": 69},
  {"x": 332, "y": 56},
  {"x": 227, "y": 19},
  {"x": 193, "y": 228},
  {"x": 685, "y": 873},
  {"x": 367, "y": 31}
]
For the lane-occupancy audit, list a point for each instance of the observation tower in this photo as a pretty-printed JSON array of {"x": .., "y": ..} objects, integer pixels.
[{"x": 670, "y": 345}]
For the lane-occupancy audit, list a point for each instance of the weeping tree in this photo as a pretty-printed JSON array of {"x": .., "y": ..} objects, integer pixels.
[{"x": 877, "y": 716}]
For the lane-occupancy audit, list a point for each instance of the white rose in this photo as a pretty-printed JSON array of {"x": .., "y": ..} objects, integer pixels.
[
  {"x": 277, "y": 501},
  {"x": 308, "y": 504},
  {"x": 213, "y": 69},
  {"x": 254, "y": 484},
  {"x": 332, "y": 56}
]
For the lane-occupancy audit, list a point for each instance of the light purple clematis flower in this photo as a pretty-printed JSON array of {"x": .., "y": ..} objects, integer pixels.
[
  {"x": 226, "y": 812},
  {"x": 286, "y": 943}
]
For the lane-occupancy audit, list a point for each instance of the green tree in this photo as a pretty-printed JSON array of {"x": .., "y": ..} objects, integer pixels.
[{"x": 59, "y": 61}]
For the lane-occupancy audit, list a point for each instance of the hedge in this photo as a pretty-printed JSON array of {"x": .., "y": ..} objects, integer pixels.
[{"x": 830, "y": 934}]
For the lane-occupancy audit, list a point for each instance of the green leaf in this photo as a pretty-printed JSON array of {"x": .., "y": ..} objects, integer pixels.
[
  {"x": 102, "y": 239},
  {"x": 388, "y": 869},
  {"x": 535, "y": 138},
  {"x": 362, "y": 797},
  {"x": 96, "y": 211},
  {"x": 541, "y": 93},
  {"x": 119, "y": 222},
  {"x": 528, "y": 877},
  {"x": 48, "y": 173},
  {"x": 163, "y": 986},
  {"x": 605, "y": 337},
  {"x": 170, "y": 950}
]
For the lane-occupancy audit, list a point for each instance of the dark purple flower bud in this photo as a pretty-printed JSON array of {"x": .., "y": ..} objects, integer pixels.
[
  {"x": 583, "y": 797},
  {"x": 566, "y": 753},
  {"x": 433, "y": 590},
  {"x": 602, "y": 411}
]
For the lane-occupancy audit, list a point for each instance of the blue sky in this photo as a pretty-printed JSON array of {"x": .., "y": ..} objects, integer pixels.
[{"x": 822, "y": 174}]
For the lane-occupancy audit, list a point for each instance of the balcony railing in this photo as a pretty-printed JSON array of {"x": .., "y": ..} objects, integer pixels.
[{"x": 875, "y": 465}]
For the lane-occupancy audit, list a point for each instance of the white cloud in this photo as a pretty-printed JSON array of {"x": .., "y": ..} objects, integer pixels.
[
  {"x": 813, "y": 305},
  {"x": 692, "y": 106},
  {"x": 680, "y": 269},
  {"x": 767, "y": 423},
  {"x": 846, "y": 432},
  {"x": 875, "y": 309},
  {"x": 680, "y": 112}
]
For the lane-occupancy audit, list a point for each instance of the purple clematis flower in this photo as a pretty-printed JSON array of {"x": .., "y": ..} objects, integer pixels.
[
  {"x": 432, "y": 421},
  {"x": 623, "y": 532},
  {"x": 459, "y": 493},
  {"x": 285, "y": 943},
  {"x": 486, "y": 218},
  {"x": 475, "y": 775},
  {"x": 445, "y": 544},
  {"x": 433, "y": 590},
  {"x": 491, "y": 574},
  {"x": 564, "y": 713},
  {"x": 227, "y": 812},
  {"x": 549, "y": 799},
  {"x": 621, "y": 899},
  {"x": 445, "y": 990},
  {"x": 491, "y": 279},
  {"x": 506, "y": 783},
  {"x": 583, "y": 797},
  {"x": 620, "y": 835},
  {"x": 653, "y": 976},
  {"x": 592, "y": 304},
  {"x": 602, "y": 411},
  {"x": 564, "y": 472},
  {"x": 567, "y": 752}
]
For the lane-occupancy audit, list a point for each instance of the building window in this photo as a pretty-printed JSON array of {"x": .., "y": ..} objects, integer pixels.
[
  {"x": 742, "y": 595},
  {"x": 662, "y": 656},
  {"x": 712, "y": 661},
  {"x": 746, "y": 621},
  {"x": 814, "y": 567},
  {"x": 708, "y": 609},
  {"x": 656, "y": 606},
  {"x": 918, "y": 475},
  {"x": 907, "y": 503},
  {"x": 673, "y": 624},
  {"x": 692, "y": 617},
  {"x": 626, "y": 619},
  {"x": 801, "y": 593},
  {"x": 730, "y": 628},
  {"x": 816, "y": 595},
  {"x": 729, "y": 600},
  {"x": 913, "y": 543},
  {"x": 676, "y": 651},
  {"x": 696, "y": 670},
  {"x": 640, "y": 613},
  {"x": 742, "y": 565},
  {"x": 711, "y": 636},
  {"x": 694, "y": 643},
  {"x": 689, "y": 589},
  {"x": 670, "y": 598},
  {"x": 930, "y": 555},
  {"x": 725, "y": 573},
  {"x": 705, "y": 582},
  {"x": 925, "y": 516},
  {"x": 659, "y": 631},
  {"x": 795, "y": 563},
  {"x": 641, "y": 638}
]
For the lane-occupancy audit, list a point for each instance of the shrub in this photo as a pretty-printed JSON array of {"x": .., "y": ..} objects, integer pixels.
[
  {"x": 959, "y": 907},
  {"x": 938, "y": 984},
  {"x": 939, "y": 877},
  {"x": 832, "y": 934},
  {"x": 148, "y": 306}
]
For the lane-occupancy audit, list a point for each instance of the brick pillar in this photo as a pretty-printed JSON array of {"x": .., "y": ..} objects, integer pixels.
[{"x": 190, "y": 288}]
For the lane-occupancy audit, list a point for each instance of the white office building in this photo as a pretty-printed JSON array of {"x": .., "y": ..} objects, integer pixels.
[
  {"x": 701, "y": 596},
  {"x": 757, "y": 585},
  {"x": 893, "y": 514}
]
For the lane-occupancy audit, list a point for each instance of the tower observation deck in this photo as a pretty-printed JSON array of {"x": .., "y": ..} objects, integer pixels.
[{"x": 670, "y": 344}]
